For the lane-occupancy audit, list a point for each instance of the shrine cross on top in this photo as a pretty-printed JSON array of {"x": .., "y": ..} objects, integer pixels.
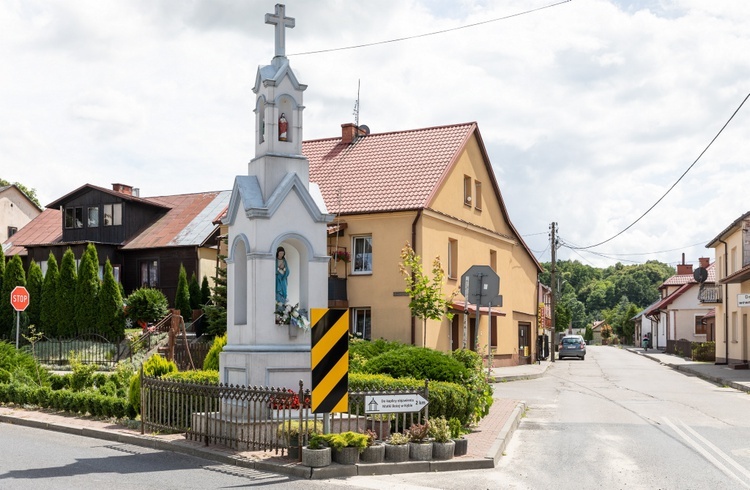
[{"x": 280, "y": 24}]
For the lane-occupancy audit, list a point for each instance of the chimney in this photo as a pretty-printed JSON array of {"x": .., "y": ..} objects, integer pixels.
[
  {"x": 704, "y": 262},
  {"x": 123, "y": 189},
  {"x": 348, "y": 133},
  {"x": 683, "y": 269}
]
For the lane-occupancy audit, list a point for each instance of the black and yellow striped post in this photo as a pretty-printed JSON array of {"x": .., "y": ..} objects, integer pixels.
[{"x": 330, "y": 360}]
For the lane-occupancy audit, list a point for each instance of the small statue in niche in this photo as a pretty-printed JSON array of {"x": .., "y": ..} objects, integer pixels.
[
  {"x": 283, "y": 126},
  {"x": 282, "y": 273}
]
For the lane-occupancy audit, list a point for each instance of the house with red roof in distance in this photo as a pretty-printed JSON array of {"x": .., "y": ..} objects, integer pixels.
[
  {"x": 146, "y": 239},
  {"x": 685, "y": 301},
  {"x": 16, "y": 210},
  {"x": 433, "y": 188},
  {"x": 732, "y": 251}
]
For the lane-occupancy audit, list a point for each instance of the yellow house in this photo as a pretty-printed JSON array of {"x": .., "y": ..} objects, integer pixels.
[
  {"x": 732, "y": 249},
  {"x": 433, "y": 188}
]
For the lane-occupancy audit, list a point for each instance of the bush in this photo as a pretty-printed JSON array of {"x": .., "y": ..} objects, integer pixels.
[
  {"x": 155, "y": 366},
  {"x": 20, "y": 366},
  {"x": 211, "y": 362},
  {"x": 201, "y": 377},
  {"x": 704, "y": 351},
  {"x": 146, "y": 305},
  {"x": 418, "y": 362}
]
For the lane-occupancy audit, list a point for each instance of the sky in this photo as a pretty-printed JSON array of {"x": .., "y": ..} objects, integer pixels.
[{"x": 590, "y": 110}]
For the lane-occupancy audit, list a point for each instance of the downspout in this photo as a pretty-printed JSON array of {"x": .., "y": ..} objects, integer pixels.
[
  {"x": 726, "y": 309},
  {"x": 414, "y": 247}
]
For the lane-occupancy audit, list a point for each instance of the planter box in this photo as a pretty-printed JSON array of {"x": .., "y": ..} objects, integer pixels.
[
  {"x": 396, "y": 453},
  {"x": 442, "y": 451},
  {"x": 316, "y": 458},
  {"x": 346, "y": 455},
  {"x": 420, "y": 451},
  {"x": 380, "y": 427},
  {"x": 373, "y": 454},
  {"x": 462, "y": 447}
]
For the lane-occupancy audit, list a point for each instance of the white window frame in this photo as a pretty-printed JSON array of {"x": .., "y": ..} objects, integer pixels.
[
  {"x": 362, "y": 323},
  {"x": 361, "y": 260}
]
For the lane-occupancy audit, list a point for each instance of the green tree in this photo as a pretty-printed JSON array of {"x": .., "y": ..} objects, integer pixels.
[
  {"x": 182, "y": 297},
  {"x": 87, "y": 291},
  {"x": 2, "y": 267},
  {"x": 111, "y": 319},
  {"x": 66, "y": 295},
  {"x": 48, "y": 316},
  {"x": 205, "y": 291},
  {"x": 588, "y": 334},
  {"x": 146, "y": 305},
  {"x": 195, "y": 293},
  {"x": 426, "y": 297},
  {"x": 216, "y": 313},
  {"x": 13, "y": 276},
  {"x": 30, "y": 193},
  {"x": 34, "y": 284}
]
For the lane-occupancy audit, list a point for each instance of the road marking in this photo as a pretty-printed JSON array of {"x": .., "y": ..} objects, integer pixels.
[
  {"x": 718, "y": 451},
  {"x": 705, "y": 453}
]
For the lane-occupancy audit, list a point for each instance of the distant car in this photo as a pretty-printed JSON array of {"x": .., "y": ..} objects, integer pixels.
[{"x": 572, "y": 346}]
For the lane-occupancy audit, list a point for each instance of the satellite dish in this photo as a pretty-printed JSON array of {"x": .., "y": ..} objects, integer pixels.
[
  {"x": 700, "y": 274},
  {"x": 365, "y": 129}
]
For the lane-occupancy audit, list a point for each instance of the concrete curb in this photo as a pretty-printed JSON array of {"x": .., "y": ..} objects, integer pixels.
[{"x": 503, "y": 438}]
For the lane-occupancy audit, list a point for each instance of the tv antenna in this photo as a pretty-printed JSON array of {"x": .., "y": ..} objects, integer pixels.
[{"x": 356, "y": 107}]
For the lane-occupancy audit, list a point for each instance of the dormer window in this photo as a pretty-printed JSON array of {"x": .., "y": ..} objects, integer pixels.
[{"x": 74, "y": 217}]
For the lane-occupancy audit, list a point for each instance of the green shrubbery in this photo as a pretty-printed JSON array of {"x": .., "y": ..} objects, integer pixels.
[
  {"x": 211, "y": 362},
  {"x": 155, "y": 366},
  {"x": 417, "y": 362}
]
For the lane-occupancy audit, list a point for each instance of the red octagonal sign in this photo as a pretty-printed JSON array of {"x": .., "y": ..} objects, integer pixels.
[{"x": 19, "y": 298}]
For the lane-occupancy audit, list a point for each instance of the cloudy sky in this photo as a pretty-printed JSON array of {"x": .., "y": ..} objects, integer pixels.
[{"x": 590, "y": 109}]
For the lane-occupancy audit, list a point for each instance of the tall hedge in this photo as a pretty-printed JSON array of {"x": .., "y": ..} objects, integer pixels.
[
  {"x": 87, "y": 291},
  {"x": 110, "y": 319},
  {"x": 34, "y": 284},
  {"x": 14, "y": 276},
  {"x": 205, "y": 291},
  {"x": 49, "y": 314},
  {"x": 195, "y": 292},
  {"x": 182, "y": 297},
  {"x": 66, "y": 295}
]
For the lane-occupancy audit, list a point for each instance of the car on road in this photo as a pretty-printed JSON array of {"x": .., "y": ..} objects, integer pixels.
[{"x": 572, "y": 346}]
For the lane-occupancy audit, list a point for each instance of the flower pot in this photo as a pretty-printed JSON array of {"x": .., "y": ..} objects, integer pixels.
[
  {"x": 462, "y": 446},
  {"x": 380, "y": 427},
  {"x": 346, "y": 455},
  {"x": 442, "y": 451},
  {"x": 396, "y": 453},
  {"x": 316, "y": 458},
  {"x": 420, "y": 451},
  {"x": 373, "y": 454}
]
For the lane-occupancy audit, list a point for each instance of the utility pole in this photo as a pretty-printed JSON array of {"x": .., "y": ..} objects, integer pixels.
[{"x": 553, "y": 247}]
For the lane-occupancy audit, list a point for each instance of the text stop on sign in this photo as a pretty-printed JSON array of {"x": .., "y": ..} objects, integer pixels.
[{"x": 19, "y": 298}]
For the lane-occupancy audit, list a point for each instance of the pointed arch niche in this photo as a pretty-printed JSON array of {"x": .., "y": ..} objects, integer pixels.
[
  {"x": 298, "y": 254},
  {"x": 239, "y": 254},
  {"x": 286, "y": 105}
]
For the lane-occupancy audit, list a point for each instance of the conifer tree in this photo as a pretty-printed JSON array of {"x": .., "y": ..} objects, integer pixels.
[
  {"x": 205, "y": 291},
  {"x": 34, "y": 286},
  {"x": 87, "y": 291},
  {"x": 111, "y": 319},
  {"x": 216, "y": 313},
  {"x": 48, "y": 317},
  {"x": 182, "y": 298},
  {"x": 195, "y": 293},
  {"x": 66, "y": 295},
  {"x": 2, "y": 267},
  {"x": 13, "y": 276}
]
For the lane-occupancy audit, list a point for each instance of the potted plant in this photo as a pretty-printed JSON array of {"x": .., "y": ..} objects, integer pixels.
[
  {"x": 294, "y": 437},
  {"x": 457, "y": 434},
  {"x": 397, "y": 448},
  {"x": 420, "y": 447},
  {"x": 346, "y": 446},
  {"x": 317, "y": 453},
  {"x": 442, "y": 445},
  {"x": 375, "y": 450},
  {"x": 380, "y": 423}
]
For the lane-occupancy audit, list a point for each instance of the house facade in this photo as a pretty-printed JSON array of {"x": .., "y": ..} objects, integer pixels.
[
  {"x": 434, "y": 189},
  {"x": 679, "y": 314},
  {"x": 16, "y": 211},
  {"x": 145, "y": 239},
  {"x": 732, "y": 252}
]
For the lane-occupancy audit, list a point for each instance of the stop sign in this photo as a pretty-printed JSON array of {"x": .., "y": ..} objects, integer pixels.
[{"x": 19, "y": 298}]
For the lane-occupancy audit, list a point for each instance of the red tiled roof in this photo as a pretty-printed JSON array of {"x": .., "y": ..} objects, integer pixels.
[
  {"x": 384, "y": 172},
  {"x": 668, "y": 300},
  {"x": 679, "y": 279},
  {"x": 45, "y": 228}
]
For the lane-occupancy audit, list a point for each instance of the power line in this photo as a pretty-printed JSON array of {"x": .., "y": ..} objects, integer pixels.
[
  {"x": 673, "y": 185},
  {"x": 407, "y": 38}
]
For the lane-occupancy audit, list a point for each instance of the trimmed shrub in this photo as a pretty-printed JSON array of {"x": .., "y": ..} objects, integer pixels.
[
  {"x": 211, "y": 362},
  {"x": 146, "y": 305},
  {"x": 155, "y": 366},
  {"x": 418, "y": 362},
  {"x": 202, "y": 377},
  {"x": 182, "y": 297}
]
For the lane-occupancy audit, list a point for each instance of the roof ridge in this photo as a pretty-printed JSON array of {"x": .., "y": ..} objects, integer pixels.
[{"x": 402, "y": 131}]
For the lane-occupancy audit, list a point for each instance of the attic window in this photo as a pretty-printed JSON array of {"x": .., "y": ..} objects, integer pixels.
[
  {"x": 74, "y": 217},
  {"x": 467, "y": 190},
  {"x": 477, "y": 195},
  {"x": 112, "y": 214}
]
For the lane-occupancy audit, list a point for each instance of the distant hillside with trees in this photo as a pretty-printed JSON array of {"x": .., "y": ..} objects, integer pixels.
[{"x": 614, "y": 294}]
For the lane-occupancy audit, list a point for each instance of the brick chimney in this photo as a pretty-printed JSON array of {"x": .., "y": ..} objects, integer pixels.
[
  {"x": 123, "y": 189},
  {"x": 684, "y": 268},
  {"x": 348, "y": 133},
  {"x": 704, "y": 262}
]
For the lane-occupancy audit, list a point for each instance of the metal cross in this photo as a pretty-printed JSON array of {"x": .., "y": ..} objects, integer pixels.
[{"x": 280, "y": 24}]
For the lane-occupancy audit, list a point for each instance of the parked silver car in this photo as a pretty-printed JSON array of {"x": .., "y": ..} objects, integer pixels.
[{"x": 572, "y": 346}]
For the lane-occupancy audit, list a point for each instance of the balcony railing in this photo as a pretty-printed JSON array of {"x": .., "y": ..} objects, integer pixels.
[{"x": 710, "y": 294}]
